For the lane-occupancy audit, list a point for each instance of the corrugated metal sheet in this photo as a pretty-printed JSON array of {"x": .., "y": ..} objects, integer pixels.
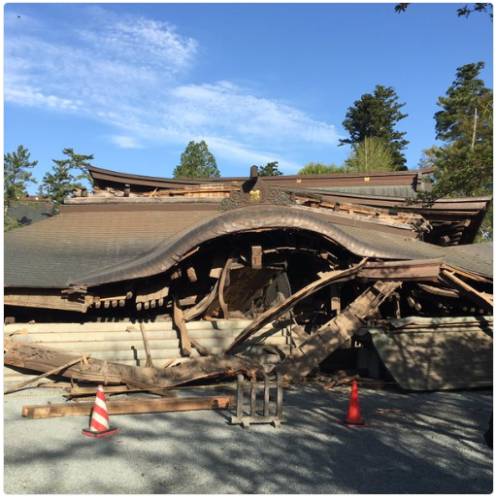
[
  {"x": 453, "y": 358},
  {"x": 122, "y": 342}
]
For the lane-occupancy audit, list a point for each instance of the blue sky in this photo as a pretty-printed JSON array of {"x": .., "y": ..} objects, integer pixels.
[{"x": 132, "y": 84}]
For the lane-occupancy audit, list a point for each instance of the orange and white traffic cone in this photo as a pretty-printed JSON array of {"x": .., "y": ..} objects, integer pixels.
[
  {"x": 354, "y": 419},
  {"x": 100, "y": 425}
]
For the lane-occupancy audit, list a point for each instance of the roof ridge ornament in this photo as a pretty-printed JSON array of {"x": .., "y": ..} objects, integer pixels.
[{"x": 255, "y": 191}]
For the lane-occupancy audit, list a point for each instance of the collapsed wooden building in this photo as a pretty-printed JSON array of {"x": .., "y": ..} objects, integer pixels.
[{"x": 156, "y": 283}]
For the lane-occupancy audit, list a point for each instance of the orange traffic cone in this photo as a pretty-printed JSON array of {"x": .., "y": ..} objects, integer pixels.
[
  {"x": 354, "y": 419},
  {"x": 100, "y": 426}
]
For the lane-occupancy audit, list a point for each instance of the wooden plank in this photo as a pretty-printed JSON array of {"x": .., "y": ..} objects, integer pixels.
[
  {"x": 49, "y": 301},
  {"x": 290, "y": 302},
  {"x": 39, "y": 377},
  {"x": 130, "y": 406},
  {"x": 483, "y": 300}
]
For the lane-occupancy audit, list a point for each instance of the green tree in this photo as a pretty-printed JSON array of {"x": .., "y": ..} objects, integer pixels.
[
  {"x": 463, "y": 11},
  {"x": 428, "y": 158},
  {"x": 16, "y": 174},
  {"x": 64, "y": 178},
  {"x": 376, "y": 115},
  {"x": 196, "y": 162},
  {"x": 81, "y": 163},
  {"x": 464, "y": 164},
  {"x": 271, "y": 169},
  {"x": 320, "y": 169},
  {"x": 370, "y": 155},
  {"x": 464, "y": 101},
  {"x": 16, "y": 177}
]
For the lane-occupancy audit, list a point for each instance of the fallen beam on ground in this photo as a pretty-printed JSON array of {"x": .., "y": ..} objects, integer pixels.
[
  {"x": 130, "y": 406},
  {"x": 334, "y": 333},
  {"x": 46, "y": 374},
  {"x": 43, "y": 359}
]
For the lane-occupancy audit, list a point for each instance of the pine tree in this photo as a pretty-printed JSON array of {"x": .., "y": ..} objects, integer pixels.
[
  {"x": 16, "y": 174},
  {"x": 196, "y": 162},
  {"x": 376, "y": 115},
  {"x": 370, "y": 155},
  {"x": 464, "y": 164},
  {"x": 320, "y": 169},
  {"x": 64, "y": 178},
  {"x": 271, "y": 169}
]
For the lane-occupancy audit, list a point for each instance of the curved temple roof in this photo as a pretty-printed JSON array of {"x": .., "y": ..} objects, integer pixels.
[{"x": 361, "y": 242}]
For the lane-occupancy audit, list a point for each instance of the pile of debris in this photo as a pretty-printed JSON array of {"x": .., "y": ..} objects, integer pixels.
[{"x": 268, "y": 281}]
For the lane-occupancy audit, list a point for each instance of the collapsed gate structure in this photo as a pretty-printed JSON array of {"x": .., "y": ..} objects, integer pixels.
[{"x": 156, "y": 283}]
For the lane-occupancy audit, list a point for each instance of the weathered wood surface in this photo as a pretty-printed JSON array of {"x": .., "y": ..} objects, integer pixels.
[
  {"x": 183, "y": 332},
  {"x": 290, "y": 302},
  {"x": 122, "y": 342},
  {"x": 334, "y": 333},
  {"x": 44, "y": 299},
  {"x": 53, "y": 371},
  {"x": 130, "y": 406},
  {"x": 42, "y": 359},
  {"x": 149, "y": 361},
  {"x": 484, "y": 300}
]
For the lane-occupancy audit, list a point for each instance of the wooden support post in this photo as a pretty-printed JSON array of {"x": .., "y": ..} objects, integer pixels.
[
  {"x": 256, "y": 257},
  {"x": 266, "y": 395},
  {"x": 240, "y": 398},
  {"x": 253, "y": 396},
  {"x": 279, "y": 398},
  {"x": 222, "y": 284},
  {"x": 183, "y": 332},
  {"x": 335, "y": 291},
  {"x": 147, "y": 346}
]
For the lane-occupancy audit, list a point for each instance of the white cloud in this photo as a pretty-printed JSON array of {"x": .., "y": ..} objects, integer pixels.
[
  {"x": 125, "y": 142},
  {"x": 132, "y": 74}
]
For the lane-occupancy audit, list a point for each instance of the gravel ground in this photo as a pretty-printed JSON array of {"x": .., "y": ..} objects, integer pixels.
[{"x": 415, "y": 443}]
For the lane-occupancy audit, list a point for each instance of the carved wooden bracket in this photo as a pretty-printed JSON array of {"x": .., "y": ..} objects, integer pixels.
[{"x": 256, "y": 192}]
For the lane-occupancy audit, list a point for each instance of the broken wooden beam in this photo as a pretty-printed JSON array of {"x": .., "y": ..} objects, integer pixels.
[
  {"x": 39, "y": 377},
  {"x": 183, "y": 332},
  {"x": 484, "y": 300},
  {"x": 42, "y": 359},
  {"x": 130, "y": 406},
  {"x": 330, "y": 336},
  {"x": 147, "y": 346},
  {"x": 279, "y": 309}
]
